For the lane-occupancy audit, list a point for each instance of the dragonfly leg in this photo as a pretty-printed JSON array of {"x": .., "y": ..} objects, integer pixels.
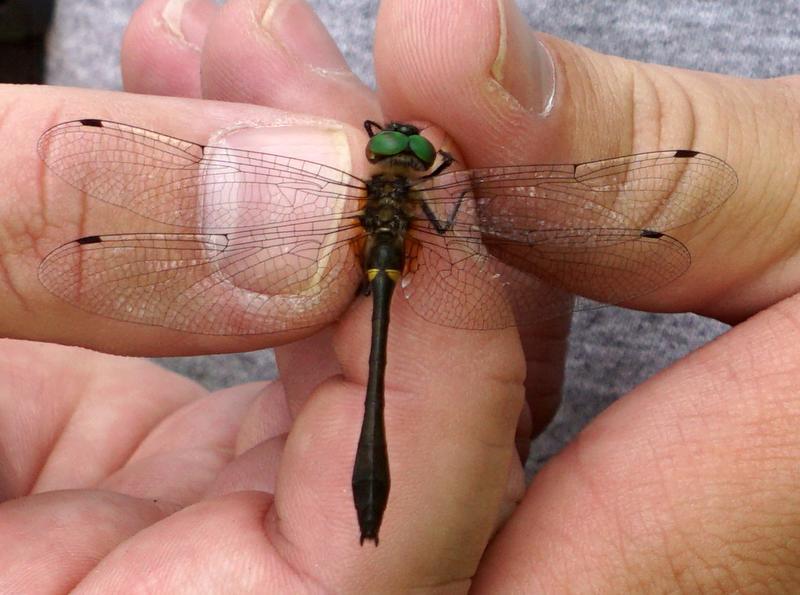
[
  {"x": 447, "y": 161},
  {"x": 440, "y": 226},
  {"x": 370, "y": 126},
  {"x": 365, "y": 288}
]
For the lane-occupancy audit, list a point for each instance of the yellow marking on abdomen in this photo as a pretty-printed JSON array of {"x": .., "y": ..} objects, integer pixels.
[{"x": 393, "y": 274}]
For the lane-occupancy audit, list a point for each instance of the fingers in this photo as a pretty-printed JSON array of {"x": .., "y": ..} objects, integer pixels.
[
  {"x": 531, "y": 98},
  {"x": 278, "y": 53},
  {"x": 74, "y": 421},
  {"x": 157, "y": 434},
  {"x": 265, "y": 52},
  {"x": 194, "y": 450},
  {"x": 59, "y": 405},
  {"x": 452, "y": 403},
  {"x": 450, "y": 422},
  {"x": 689, "y": 479},
  {"x": 72, "y": 529},
  {"x": 42, "y": 213},
  {"x": 162, "y": 47}
]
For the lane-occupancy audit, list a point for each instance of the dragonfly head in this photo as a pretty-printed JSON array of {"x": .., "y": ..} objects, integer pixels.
[{"x": 401, "y": 145}]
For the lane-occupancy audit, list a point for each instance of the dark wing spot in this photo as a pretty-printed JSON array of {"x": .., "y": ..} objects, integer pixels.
[
  {"x": 92, "y": 122},
  {"x": 90, "y": 240},
  {"x": 685, "y": 154},
  {"x": 649, "y": 233}
]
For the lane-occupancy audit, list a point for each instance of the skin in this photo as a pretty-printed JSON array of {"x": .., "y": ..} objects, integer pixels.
[{"x": 115, "y": 472}]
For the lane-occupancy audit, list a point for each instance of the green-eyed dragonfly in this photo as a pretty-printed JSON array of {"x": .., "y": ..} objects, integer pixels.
[{"x": 473, "y": 249}]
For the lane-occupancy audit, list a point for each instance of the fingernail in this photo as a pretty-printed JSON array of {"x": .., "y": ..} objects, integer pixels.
[
  {"x": 327, "y": 145},
  {"x": 298, "y": 28},
  {"x": 277, "y": 198},
  {"x": 523, "y": 66},
  {"x": 188, "y": 20}
]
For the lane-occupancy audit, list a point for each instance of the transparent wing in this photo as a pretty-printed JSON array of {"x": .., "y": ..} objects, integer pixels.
[
  {"x": 237, "y": 283},
  {"x": 186, "y": 184},
  {"x": 465, "y": 287},
  {"x": 658, "y": 191},
  {"x": 520, "y": 239},
  {"x": 496, "y": 284},
  {"x": 275, "y": 246},
  {"x": 272, "y": 242}
]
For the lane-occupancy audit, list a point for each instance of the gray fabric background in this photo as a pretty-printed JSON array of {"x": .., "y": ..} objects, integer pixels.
[{"x": 611, "y": 350}]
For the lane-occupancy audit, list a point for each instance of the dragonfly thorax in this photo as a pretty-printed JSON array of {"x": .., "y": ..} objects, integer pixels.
[
  {"x": 385, "y": 218},
  {"x": 388, "y": 207}
]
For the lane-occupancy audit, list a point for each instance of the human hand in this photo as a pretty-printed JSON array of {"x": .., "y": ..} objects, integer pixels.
[
  {"x": 311, "y": 493},
  {"x": 689, "y": 483},
  {"x": 553, "y": 503}
]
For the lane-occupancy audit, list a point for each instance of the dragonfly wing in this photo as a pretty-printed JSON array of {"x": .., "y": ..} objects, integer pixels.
[
  {"x": 529, "y": 235},
  {"x": 496, "y": 283},
  {"x": 220, "y": 284},
  {"x": 657, "y": 191},
  {"x": 464, "y": 286},
  {"x": 186, "y": 184},
  {"x": 607, "y": 265}
]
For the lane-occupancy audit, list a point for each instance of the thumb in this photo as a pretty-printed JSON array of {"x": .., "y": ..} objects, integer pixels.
[{"x": 510, "y": 96}]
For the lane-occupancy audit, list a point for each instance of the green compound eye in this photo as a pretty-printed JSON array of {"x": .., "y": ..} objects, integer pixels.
[
  {"x": 422, "y": 149},
  {"x": 387, "y": 143}
]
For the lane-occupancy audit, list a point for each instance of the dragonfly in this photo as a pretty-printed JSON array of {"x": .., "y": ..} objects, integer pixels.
[{"x": 268, "y": 243}]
